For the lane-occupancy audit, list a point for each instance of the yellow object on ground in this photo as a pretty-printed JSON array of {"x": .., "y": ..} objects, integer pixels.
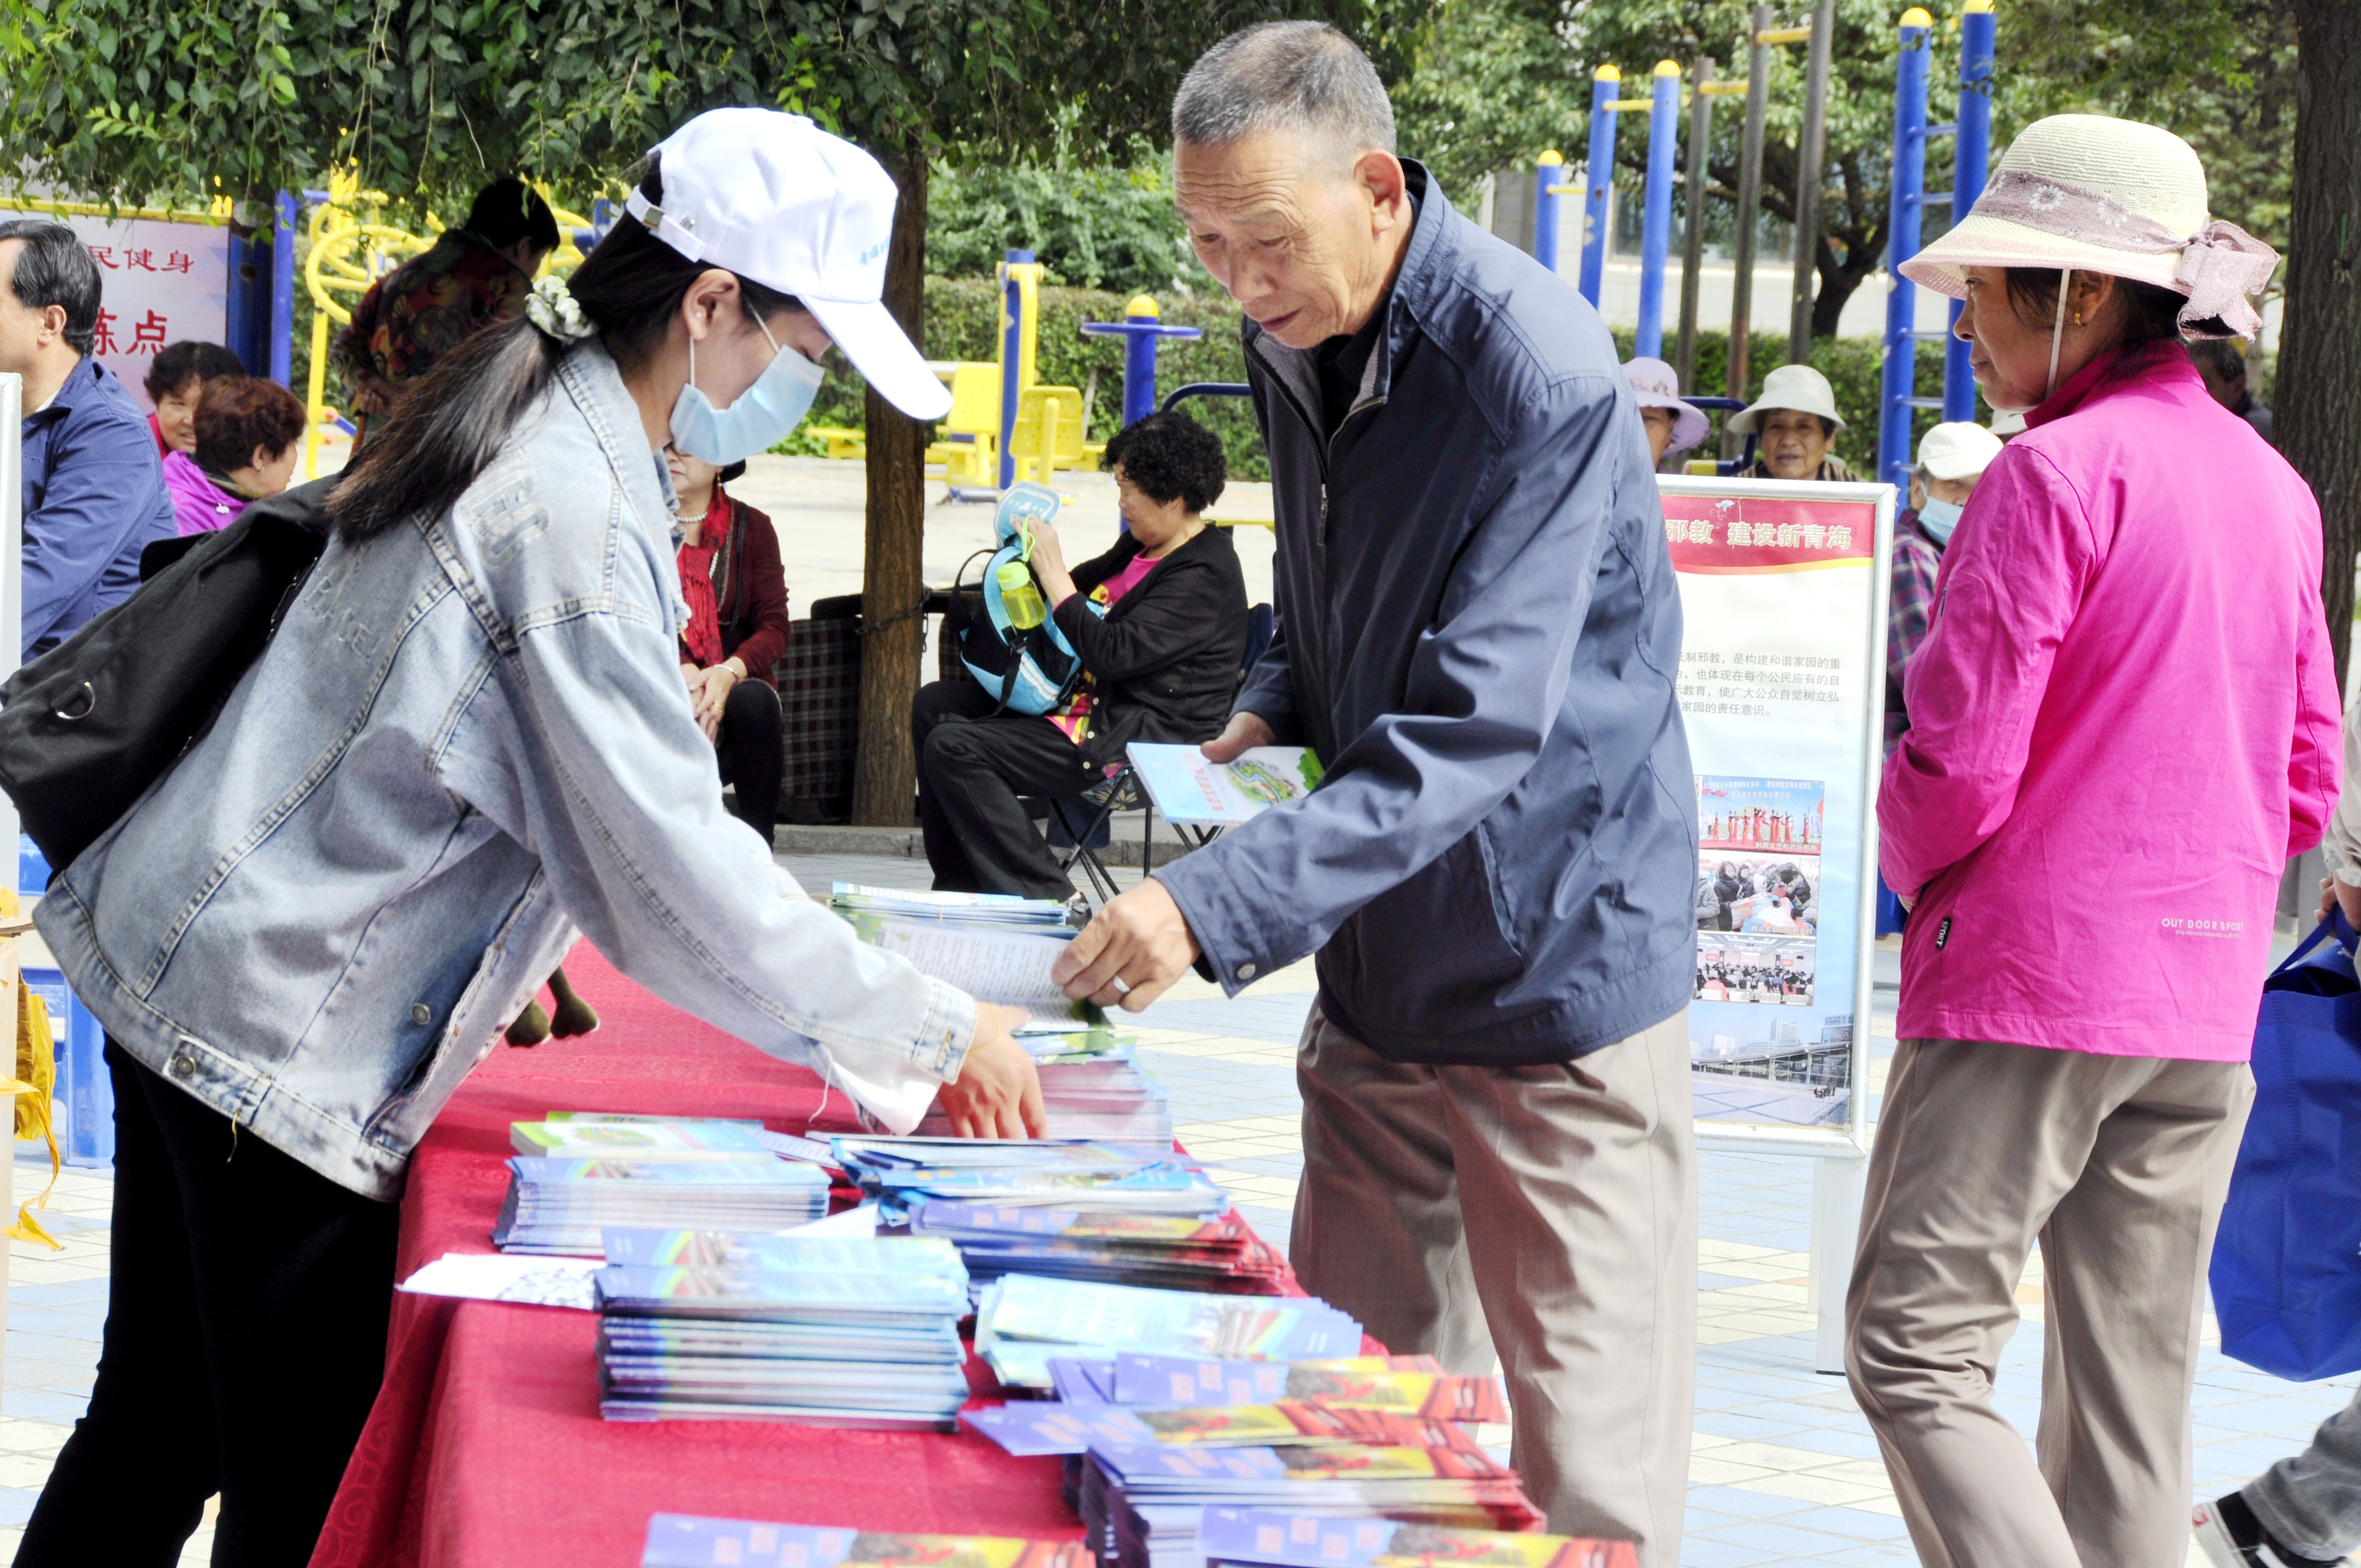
[{"x": 36, "y": 1082}]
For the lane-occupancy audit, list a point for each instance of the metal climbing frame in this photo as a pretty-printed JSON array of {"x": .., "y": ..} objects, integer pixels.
[{"x": 1898, "y": 395}]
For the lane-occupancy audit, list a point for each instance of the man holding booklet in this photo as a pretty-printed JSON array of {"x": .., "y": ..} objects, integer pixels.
[{"x": 1479, "y": 637}]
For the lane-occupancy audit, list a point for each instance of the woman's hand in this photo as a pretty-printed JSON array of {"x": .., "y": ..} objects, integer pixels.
[
  {"x": 2333, "y": 891},
  {"x": 1050, "y": 563},
  {"x": 709, "y": 691},
  {"x": 998, "y": 1091}
]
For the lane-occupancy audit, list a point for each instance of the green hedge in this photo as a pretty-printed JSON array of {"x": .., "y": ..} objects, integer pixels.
[{"x": 963, "y": 323}]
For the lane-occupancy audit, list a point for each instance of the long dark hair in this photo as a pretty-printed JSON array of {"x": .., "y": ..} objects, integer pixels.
[{"x": 451, "y": 421}]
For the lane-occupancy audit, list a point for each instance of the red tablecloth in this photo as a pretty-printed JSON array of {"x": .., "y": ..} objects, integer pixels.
[{"x": 486, "y": 1450}]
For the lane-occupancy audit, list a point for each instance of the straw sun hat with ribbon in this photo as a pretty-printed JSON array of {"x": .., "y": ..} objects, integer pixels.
[{"x": 2091, "y": 194}]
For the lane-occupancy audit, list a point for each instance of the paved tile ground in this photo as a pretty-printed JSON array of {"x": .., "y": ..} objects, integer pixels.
[{"x": 1784, "y": 1470}]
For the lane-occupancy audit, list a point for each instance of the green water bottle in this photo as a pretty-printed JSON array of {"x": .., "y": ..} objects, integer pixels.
[{"x": 1021, "y": 599}]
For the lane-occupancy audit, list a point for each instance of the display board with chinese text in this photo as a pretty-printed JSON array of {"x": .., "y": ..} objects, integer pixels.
[{"x": 1782, "y": 600}]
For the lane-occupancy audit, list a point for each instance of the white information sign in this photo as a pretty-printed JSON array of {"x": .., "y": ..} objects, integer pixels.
[
  {"x": 1783, "y": 677},
  {"x": 165, "y": 280}
]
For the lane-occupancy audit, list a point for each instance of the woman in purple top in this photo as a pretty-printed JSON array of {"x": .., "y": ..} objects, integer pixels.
[{"x": 246, "y": 434}]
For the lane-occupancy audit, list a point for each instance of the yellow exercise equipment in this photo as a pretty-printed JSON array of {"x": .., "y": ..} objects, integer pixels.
[
  {"x": 1047, "y": 434},
  {"x": 350, "y": 249}
]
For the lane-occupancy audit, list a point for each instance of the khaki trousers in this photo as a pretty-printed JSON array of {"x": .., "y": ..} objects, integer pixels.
[
  {"x": 2118, "y": 1165},
  {"x": 1553, "y": 1206}
]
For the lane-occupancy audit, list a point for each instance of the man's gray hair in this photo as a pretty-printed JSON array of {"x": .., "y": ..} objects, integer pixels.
[{"x": 1304, "y": 77}]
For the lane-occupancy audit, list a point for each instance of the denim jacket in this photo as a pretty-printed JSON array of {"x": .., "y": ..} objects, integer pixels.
[{"x": 468, "y": 740}]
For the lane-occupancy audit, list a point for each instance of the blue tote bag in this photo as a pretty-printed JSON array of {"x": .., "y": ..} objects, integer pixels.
[{"x": 2287, "y": 1260}]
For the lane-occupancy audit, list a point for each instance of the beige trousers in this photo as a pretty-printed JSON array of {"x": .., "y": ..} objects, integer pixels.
[
  {"x": 2118, "y": 1165},
  {"x": 1554, "y": 1207}
]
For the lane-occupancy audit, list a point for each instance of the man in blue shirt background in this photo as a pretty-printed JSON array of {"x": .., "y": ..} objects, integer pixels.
[{"x": 94, "y": 492}]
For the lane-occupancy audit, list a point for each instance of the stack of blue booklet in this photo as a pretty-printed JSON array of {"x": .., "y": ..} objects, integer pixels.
[
  {"x": 1263, "y": 1538},
  {"x": 1029, "y": 1173},
  {"x": 996, "y": 911},
  {"x": 1143, "y": 1505},
  {"x": 685, "y": 1541},
  {"x": 564, "y": 1205},
  {"x": 1178, "y": 1252},
  {"x": 821, "y": 1330},
  {"x": 1024, "y": 1319}
]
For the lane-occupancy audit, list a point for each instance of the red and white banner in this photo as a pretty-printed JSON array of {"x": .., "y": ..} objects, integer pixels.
[{"x": 164, "y": 280}]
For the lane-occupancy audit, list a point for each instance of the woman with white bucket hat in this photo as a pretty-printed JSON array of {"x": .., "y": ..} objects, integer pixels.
[
  {"x": 468, "y": 744},
  {"x": 2123, "y": 723},
  {"x": 1793, "y": 423}
]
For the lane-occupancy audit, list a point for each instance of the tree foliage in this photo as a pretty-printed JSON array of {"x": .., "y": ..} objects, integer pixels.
[
  {"x": 1093, "y": 225},
  {"x": 1495, "y": 81},
  {"x": 126, "y": 100}
]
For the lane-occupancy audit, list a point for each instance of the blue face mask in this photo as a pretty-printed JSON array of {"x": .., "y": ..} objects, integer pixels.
[
  {"x": 1938, "y": 518},
  {"x": 761, "y": 416}
]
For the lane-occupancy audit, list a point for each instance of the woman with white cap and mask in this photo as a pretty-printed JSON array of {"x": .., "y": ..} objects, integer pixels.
[
  {"x": 468, "y": 744},
  {"x": 2123, "y": 723}
]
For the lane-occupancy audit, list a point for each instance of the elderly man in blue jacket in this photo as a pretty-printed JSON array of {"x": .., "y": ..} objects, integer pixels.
[
  {"x": 94, "y": 492},
  {"x": 1479, "y": 634}
]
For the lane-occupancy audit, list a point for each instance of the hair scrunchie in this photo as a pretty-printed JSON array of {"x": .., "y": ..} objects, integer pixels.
[{"x": 552, "y": 308}]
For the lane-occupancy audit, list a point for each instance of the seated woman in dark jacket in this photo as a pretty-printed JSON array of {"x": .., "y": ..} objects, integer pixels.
[
  {"x": 737, "y": 596},
  {"x": 1161, "y": 624}
]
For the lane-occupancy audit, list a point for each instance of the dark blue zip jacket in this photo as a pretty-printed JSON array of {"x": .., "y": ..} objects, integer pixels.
[{"x": 1479, "y": 633}]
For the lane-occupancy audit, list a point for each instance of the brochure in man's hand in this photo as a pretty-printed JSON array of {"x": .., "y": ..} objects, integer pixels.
[{"x": 1189, "y": 789}]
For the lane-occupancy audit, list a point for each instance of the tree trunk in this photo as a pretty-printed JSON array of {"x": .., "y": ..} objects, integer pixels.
[
  {"x": 1839, "y": 282},
  {"x": 2316, "y": 398},
  {"x": 893, "y": 584}
]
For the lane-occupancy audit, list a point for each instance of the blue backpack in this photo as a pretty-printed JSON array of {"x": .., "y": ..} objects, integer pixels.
[{"x": 1012, "y": 649}]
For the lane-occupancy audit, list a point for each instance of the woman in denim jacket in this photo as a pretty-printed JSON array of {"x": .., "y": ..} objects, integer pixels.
[{"x": 467, "y": 745}]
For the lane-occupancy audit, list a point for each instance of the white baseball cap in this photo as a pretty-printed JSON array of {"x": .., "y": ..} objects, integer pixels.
[
  {"x": 773, "y": 197},
  {"x": 1957, "y": 451}
]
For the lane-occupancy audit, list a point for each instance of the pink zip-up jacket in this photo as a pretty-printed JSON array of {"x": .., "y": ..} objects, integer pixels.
[{"x": 2123, "y": 724}]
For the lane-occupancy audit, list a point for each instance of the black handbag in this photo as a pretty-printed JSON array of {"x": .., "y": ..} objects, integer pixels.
[{"x": 86, "y": 727}]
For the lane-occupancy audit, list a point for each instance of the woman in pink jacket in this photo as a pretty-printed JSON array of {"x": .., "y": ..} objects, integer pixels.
[{"x": 2122, "y": 722}]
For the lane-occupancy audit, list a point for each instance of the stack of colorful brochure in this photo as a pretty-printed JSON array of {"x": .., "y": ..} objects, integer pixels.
[
  {"x": 605, "y": 1138},
  {"x": 997, "y": 910},
  {"x": 1147, "y": 1504},
  {"x": 682, "y": 1540},
  {"x": 1000, "y": 951},
  {"x": 1028, "y": 1173},
  {"x": 563, "y": 1205},
  {"x": 1174, "y": 1252},
  {"x": 1091, "y": 1087},
  {"x": 1186, "y": 1401},
  {"x": 1258, "y": 1538},
  {"x": 1024, "y": 1319},
  {"x": 822, "y": 1330}
]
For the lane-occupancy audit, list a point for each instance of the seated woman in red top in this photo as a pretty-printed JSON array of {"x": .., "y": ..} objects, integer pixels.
[
  {"x": 175, "y": 380},
  {"x": 1159, "y": 622},
  {"x": 737, "y": 596}
]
